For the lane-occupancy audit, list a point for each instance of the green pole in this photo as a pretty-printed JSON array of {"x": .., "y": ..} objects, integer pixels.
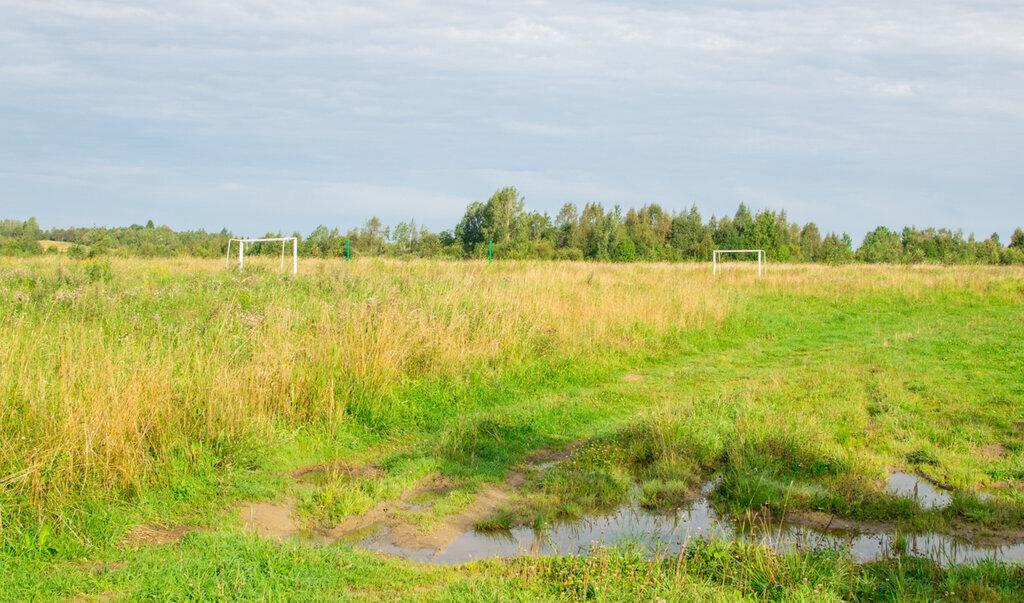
[
  {"x": 348, "y": 251},
  {"x": 490, "y": 251}
]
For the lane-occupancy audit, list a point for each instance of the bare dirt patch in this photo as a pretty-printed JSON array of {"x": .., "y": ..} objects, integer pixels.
[
  {"x": 334, "y": 468},
  {"x": 156, "y": 534},
  {"x": 548, "y": 455},
  {"x": 632, "y": 377},
  {"x": 993, "y": 451},
  {"x": 386, "y": 514},
  {"x": 270, "y": 520},
  {"x": 516, "y": 479},
  {"x": 389, "y": 516},
  {"x": 376, "y": 515},
  {"x": 409, "y": 536}
]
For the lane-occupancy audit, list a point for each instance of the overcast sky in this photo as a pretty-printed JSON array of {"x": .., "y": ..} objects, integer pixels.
[{"x": 280, "y": 115}]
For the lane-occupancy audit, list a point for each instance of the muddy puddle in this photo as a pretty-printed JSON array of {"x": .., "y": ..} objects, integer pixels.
[
  {"x": 668, "y": 534},
  {"x": 659, "y": 533},
  {"x": 910, "y": 486}
]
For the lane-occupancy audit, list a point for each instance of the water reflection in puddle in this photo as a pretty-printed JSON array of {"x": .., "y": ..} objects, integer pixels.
[
  {"x": 545, "y": 464},
  {"x": 913, "y": 487},
  {"x": 669, "y": 533}
]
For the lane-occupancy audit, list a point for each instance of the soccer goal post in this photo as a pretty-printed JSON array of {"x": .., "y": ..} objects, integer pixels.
[
  {"x": 762, "y": 259},
  {"x": 284, "y": 243}
]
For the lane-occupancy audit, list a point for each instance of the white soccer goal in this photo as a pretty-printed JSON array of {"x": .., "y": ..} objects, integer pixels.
[
  {"x": 284, "y": 241},
  {"x": 761, "y": 258}
]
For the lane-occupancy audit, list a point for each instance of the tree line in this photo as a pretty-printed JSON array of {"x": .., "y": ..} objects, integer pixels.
[{"x": 502, "y": 226}]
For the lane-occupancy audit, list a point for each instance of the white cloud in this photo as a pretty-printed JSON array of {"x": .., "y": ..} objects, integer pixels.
[{"x": 426, "y": 96}]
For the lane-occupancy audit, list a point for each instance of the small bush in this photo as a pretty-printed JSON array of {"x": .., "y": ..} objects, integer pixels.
[
  {"x": 569, "y": 253},
  {"x": 625, "y": 251}
]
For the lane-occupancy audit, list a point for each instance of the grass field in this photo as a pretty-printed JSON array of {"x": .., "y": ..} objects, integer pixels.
[
  {"x": 156, "y": 397},
  {"x": 60, "y": 246}
]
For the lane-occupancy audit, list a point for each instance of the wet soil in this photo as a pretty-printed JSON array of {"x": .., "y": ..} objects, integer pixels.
[
  {"x": 391, "y": 527},
  {"x": 668, "y": 534},
  {"x": 270, "y": 520},
  {"x": 322, "y": 473},
  {"x": 386, "y": 522},
  {"x": 457, "y": 542},
  {"x": 544, "y": 458}
]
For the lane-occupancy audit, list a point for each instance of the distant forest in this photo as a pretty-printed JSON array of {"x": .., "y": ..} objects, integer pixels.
[{"x": 503, "y": 226}]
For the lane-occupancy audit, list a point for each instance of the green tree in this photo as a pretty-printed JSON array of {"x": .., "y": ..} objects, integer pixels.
[
  {"x": 988, "y": 252},
  {"x": 317, "y": 243},
  {"x": 660, "y": 221},
  {"x": 538, "y": 226},
  {"x": 763, "y": 234},
  {"x": 704, "y": 248},
  {"x": 688, "y": 232},
  {"x": 31, "y": 229},
  {"x": 837, "y": 250},
  {"x": 880, "y": 246},
  {"x": 28, "y": 245},
  {"x": 625, "y": 250},
  {"x": 502, "y": 215},
  {"x": 784, "y": 243},
  {"x": 726, "y": 236},
  {"x": 1011, "y": 255},
  {"x": 744, "y": 225},
  {"x": 471, "y": 231},
  {"x": 596, "y": 230},
  {"x": 568, "y": 224},
  {"x": 403, "y": 235},
  {"x": 428, "y": 244},
  {"x": 374, "y": 233},
  {"x": 810, "y": 243},
  {"x": 1016, "y": 240}
]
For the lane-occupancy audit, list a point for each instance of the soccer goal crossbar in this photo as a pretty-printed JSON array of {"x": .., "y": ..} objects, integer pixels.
[
  {"x": 762, "y": 259},
  {"x": 284, "y": 242}
]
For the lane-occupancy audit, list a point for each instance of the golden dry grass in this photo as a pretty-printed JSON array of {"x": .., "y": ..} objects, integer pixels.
[{"x": 102, "y": 378}]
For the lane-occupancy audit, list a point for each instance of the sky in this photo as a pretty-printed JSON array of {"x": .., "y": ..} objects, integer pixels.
[{"x": 266, "y": 116}]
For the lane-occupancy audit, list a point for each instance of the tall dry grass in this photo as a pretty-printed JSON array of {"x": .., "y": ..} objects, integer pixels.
[{"x": 103, "y": 377}]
